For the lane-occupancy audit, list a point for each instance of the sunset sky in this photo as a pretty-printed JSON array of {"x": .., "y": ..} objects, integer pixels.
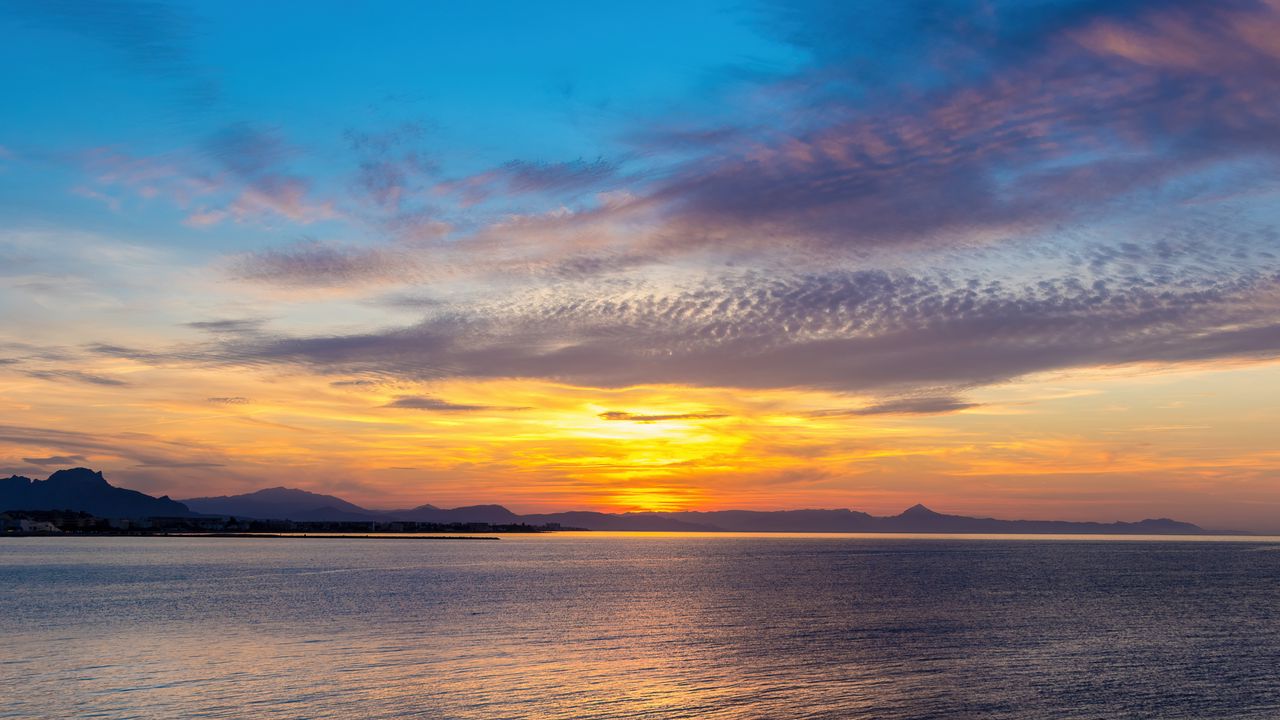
[{"x": 1010, "y": 258}]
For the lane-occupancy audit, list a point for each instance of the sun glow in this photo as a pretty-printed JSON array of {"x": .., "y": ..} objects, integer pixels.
[{"x": 544, "y": 446}]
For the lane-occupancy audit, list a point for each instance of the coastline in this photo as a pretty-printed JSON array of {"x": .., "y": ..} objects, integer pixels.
[{"x": 308, "y": 536}]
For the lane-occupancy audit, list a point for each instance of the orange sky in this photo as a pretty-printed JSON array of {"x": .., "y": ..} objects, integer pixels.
[{"x": 1125, "y": 443}]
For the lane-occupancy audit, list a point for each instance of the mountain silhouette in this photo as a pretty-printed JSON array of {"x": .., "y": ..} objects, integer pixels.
[
  {"x": 282, "y": 503},
  {"x": 778, "y": 520},
  {"x": 301, "y": 505},
  {"x": 494, "y": 514},
  {"x": 632, "y": 522},
  {"x": 85, "y": 490}
]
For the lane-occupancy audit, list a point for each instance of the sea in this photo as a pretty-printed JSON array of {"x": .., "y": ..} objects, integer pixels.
[{"x": 600, "y": 625}]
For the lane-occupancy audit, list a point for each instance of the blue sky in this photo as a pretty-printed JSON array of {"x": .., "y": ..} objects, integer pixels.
[{"x": 479, "y": 85}]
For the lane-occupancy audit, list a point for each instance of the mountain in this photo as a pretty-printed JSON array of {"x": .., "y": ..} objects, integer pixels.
[
  {"x": 919, "y": 518},
  {"x": 780, "y": 520},
  {"x": 82, "y": 489},
  {"x": 284, "y": 504},
  {"x": 291, "y": 504},
  {"x": 632, "y": 522},
  {"x": 281, "y": 503},
  {"x": 493, "y": 514}
]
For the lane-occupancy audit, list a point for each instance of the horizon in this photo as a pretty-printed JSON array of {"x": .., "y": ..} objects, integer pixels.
[
  {"x": 499, "y": 504},
  {"x": 1014, "y": 260}
]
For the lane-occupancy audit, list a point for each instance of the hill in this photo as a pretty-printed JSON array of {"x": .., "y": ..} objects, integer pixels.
[
  {"x": 282, "y": 503},
  {"x": 84, "y": 490}
]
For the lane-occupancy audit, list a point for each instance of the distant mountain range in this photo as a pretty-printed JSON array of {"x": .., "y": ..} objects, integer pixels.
[
  {"x": 86, "y": 490},
  {"x": 286, "y": 503}
]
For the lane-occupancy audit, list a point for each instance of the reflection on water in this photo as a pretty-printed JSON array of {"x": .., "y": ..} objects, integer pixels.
[{"x": 595, "y": 626}]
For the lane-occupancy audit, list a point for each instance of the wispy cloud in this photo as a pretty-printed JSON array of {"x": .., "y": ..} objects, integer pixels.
[
  {"x": 287, "y": 197},
  {"x": 864, "y": 331},
  {"x": 391, "y": 164},
  {"x": 434, "y": 404},
  {"x": 315, "y": 263},
  {"x": 63, "y": 460},
  {"x": 941, "y": 127},
  {"x": 229, "y": 326},
  {"x": 926, "y": 405},
  {"x": 518, "y": 177},
  {"x": 642, "y": 418},
  {"x": 257, "y": 158},
  {"x": 177, "y": 464},
  {"x": 234, "y": 400},
  {"x": 76, "y": 376}
]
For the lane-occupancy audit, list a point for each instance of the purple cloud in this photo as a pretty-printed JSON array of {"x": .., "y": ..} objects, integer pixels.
[
  {"x": 312, "y": 262},
  {"x": 63, "y": 460},
  {"x": 924, "y": 405},
  {"x": 890, "y": 333},
  {"x": 76, "y": 376}
]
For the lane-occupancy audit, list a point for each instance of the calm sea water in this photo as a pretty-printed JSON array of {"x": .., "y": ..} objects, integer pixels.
[{"x": 596, "y": 626}]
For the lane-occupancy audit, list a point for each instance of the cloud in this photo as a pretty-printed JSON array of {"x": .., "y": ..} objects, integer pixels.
[
  {"x": 850, "y": 331},
  {"x": 228, "y": 400},
  {"x": 65, "y": 440},
  {"x": 426, "y": 402},
  {"x": 933, "y": 126},
  {"x": 520, "y": 177},
  {"x": 280, "y": 195},
  {"x": 420, "y": 227},
  {"x": 235, "y": 327},
  {"x": 140, "y": 448},
  {"x": 914, "y": 129},
  {"x": 178, "y": 464},
  {"x": 117, "y": 351},
  {"x": 256, "y": 156},
  {"x": 390, "y": 164},
  {"x": 927, "y": 405},
  {"x": 1021, "y": 188},
  {"x": 584, "y": 266},
  {"x": 617, "y": 415},
  {"x": 76, "y": 376},
  {"x": 1233, "y": 37},
  {"x": 315, "y": 263},
  {"x": 64, "y": 460},
  {"x": 176, "y": 178},
  {"x": 248, "y": 151},
  {"x": 238, "y": 177}
]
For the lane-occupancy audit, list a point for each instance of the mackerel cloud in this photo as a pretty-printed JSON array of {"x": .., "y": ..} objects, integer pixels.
[{"x": 1024, "y": 190}]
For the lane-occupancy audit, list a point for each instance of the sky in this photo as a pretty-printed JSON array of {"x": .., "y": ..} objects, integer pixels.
[{"x": 1010, "y": 258}]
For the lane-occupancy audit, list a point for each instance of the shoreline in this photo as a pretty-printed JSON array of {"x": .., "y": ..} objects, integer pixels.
[
  {"x": 658, "y": 535},
  {"x": 300, "y": 536}
]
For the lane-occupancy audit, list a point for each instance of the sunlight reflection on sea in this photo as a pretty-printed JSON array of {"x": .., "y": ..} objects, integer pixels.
[{"x": 597, "y": 625}]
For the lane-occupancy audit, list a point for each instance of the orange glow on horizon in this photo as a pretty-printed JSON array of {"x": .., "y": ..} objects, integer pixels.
[{"x": 1024, "y": 449}]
